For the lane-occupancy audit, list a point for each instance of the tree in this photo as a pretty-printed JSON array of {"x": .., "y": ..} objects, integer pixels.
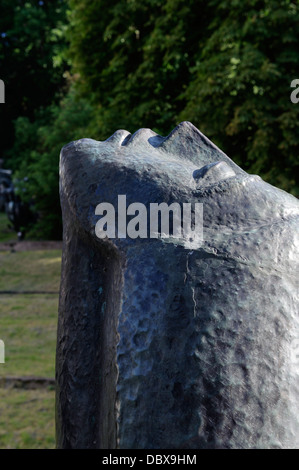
[
  {"x": 40, "y": 143},
  {"x": 239, "y": 94},
  {"x": 32, "y": 42},
  {"x": 134, "y": 58},
  {"x": 226, "y": 66}
]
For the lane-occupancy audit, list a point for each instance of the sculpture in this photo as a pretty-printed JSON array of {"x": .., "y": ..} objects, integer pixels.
[{"x": 173, "y": 342}]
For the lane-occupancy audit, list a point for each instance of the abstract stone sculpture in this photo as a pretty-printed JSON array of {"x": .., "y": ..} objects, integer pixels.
[{"x": 167, "y": 344}]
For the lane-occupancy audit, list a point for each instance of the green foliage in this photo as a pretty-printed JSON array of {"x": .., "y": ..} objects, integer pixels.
[
  {"x": 38, "y": 147},
  {"x": 239, "y": 94},
  {"x": 6, "y": 233},
  {"x": 32, "y": 63},
  {"x": 134, "y": 58},
  {"x": 224, "y": 65}
]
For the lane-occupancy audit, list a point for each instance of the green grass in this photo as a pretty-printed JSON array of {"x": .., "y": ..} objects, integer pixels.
[
  {"x": 28, "y": 329},
  {"x": 28, "y": 325},
  {"x": 30, "y": 270},
  {"x": 27, "y": 419}
]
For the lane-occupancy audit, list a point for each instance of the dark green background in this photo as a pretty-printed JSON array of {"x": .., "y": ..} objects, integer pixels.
[{"x": 85, "y": 68}]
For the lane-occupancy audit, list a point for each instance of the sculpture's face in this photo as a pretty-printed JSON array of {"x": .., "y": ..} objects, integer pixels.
[
  {"x": 184, "y": 167},
  {"x": 192, "y": 341}
]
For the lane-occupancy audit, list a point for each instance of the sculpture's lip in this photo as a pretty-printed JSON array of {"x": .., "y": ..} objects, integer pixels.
[{"x": 146, "y": 135}]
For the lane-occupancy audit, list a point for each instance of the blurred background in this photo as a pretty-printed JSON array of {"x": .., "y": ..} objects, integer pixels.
[{"x": 85, "y": 68}]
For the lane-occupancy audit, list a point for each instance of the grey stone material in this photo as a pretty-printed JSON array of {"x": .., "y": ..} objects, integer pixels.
[{"x": 167, "y": 344}]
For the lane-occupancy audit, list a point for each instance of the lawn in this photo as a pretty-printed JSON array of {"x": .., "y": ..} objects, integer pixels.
[
  {"x": 30, "y": 270},
  {"x": 27, "y": 419},
  {"x": 28, "y": 329},
  {"x": 29, "y": 285}
]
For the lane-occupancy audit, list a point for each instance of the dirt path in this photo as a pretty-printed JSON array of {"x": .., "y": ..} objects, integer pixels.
[
  {"x": 27, "y": 383},
  {"x": 30, "y": 245}
]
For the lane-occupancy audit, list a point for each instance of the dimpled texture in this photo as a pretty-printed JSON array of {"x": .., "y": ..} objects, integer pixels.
[{"x": 167, "y": 343}]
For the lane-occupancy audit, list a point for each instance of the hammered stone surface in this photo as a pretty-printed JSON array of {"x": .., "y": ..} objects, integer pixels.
[{"x": 170, "y": 343}]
